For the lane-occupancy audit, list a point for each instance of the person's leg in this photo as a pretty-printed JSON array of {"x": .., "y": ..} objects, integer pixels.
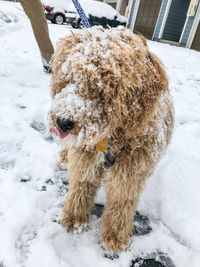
[{"x": 34, "y": 11}]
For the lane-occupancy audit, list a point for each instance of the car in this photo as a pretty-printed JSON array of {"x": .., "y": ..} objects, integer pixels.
[
  {"x": 58, "y": 13},
  {"x": 99, "y": 13}
]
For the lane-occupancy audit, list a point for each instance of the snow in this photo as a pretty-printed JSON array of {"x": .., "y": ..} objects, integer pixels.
[
  {"x": 32, "y": 188},
  {"x": 59, "y": 6},
  {"x": 59, "y": 3}
]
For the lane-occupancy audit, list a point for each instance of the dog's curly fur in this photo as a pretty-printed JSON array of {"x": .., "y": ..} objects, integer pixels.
[{"x": 122, "y": 94}]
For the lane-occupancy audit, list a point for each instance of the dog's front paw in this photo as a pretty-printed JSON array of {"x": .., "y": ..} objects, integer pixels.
[
  {"x": 73, "y": 222},
  {"x": 114, "y": 240}
]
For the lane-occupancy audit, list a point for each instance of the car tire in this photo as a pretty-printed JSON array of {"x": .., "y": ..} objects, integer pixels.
[
  {"x": 76, "y": 23},
  {"x": 52, "y": 21},
  {"x": 59, "y": 19},
  {"x": 74, "y": 26}
]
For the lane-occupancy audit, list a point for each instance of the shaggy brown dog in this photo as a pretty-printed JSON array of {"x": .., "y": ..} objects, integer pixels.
[{"x": 106, "y": 84}]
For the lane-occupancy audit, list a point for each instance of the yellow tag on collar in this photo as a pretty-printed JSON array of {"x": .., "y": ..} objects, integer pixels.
[{"x": 102, "y": 145}]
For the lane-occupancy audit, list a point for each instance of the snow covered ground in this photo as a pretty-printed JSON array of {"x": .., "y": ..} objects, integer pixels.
[{"x": 32, "y": 188}]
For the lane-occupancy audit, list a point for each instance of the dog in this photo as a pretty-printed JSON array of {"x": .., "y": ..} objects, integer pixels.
[{"x": 112, "y": 109}]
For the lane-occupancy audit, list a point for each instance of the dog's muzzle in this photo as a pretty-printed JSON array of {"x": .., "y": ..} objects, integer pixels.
[
  {"x": 65, "y": 125},
  {"x": 63, "y": 128}
]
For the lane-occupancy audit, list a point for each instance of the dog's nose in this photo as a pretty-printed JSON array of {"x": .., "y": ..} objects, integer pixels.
[{"x": 65, "y": 125}]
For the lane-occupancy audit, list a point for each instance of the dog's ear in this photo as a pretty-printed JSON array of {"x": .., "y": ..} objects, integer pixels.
[
  {"x": 130, "y": 99},
  {"x": 145, "y": 98}
]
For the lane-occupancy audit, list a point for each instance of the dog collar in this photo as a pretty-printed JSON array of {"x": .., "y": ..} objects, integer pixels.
[{"x": 109, "y": 159}]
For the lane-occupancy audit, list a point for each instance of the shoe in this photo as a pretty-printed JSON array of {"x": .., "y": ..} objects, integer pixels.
[
  {"x": 46, "y": 66},
  {"x": 47, "y": 69}
]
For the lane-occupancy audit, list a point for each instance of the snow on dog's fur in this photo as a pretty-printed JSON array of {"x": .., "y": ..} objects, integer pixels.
[{"x": 109, "y": 85}]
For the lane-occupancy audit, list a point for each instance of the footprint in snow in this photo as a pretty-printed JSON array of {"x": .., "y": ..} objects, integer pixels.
[
  {"x": 23, "y": 242},
  {"x": 41, "y": 128},
  {"x": 156, "y": 259},
  {"x": 6, "y": 164}
]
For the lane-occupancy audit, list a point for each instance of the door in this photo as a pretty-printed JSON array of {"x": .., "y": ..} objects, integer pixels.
[
  {"x": 176, "y": 20},
  {"x": 196, "y": 42},
  {"x": 147, "y": 17}
]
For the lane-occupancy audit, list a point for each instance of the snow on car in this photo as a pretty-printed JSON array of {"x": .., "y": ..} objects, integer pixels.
[{"x": 99, "y": 13}]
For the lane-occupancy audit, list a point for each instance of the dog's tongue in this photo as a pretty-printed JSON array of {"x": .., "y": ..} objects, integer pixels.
[{"x": 59, "y": 133}]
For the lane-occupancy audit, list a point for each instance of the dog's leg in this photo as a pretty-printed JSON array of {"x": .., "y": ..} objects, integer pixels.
[
  {"x": 123, "y": 185},
  {"x": 84, "y": 180}
]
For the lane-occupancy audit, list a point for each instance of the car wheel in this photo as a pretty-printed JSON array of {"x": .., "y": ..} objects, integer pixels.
[
  {"x": 59, "y": 19},
  {"x": 74, "y": 25},
  {"x": 52, "y": 21}
]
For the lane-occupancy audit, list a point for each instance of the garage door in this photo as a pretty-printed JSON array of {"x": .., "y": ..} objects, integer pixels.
[
  {"x": 176, "y": 20},
  {"x": 147, "y": 17},
  {"x": 196, "y": 41}
]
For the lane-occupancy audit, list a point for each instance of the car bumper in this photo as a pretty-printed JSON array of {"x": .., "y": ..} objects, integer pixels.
[
  {"x": 49, "y": 16},
  {"x": 70, "y": 19}
]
